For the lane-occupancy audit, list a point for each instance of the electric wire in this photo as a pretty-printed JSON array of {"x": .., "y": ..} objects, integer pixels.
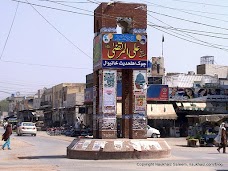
[
  {"x": 9, "y": 31},
  {"x": 53, "y": 8},
  {"x": 96, "y": 2},
  {"x": 173, "y": 28},
  {"x": 59, "y": 31},
  {"x": 65, "y": 5},
  {"x": 190, "y": 13},
  {"x": 185, "y": 39},
  {"x": 211, "y": 45},
  {"x": 5, "y": 92},
  {"x": 98, "y": 13},
  {"x": 200, "y": 3},
  {"x": 71, "y": 41},
  {"x": 43, "y": 65},
  {"x": 18, "y": 84},
  {"x": 110, "y": 16},
  {"x": 192, "y": 30},
  {"x": 17, "y": 90},
  {"x": 181, "y": 9},
  {"x": 178, "y": 18},
  {"x": 73, "y": 2}
]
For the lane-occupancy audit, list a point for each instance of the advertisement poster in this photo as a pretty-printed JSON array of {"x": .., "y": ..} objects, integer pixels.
[
  {"x": 119, "y": 85},
  {"x": 79, "y": 144},
  {"x": 109, "y": 115},
  {"x": 97, "y": 52},
  {"x": 109, "y": 97},
  {"x": 157, "y": 92},
  {"x": 136, "y": 145},
  {"x": 94, "y": 108},
  {"x": 157, "y": 66},
  {"x": 88, "y": 95},
  {"x": 100, "y": 91},
  {"x": 198, "y": 94},
  {"x": 86, "y": 144},
  {"x": 109, "y": 78},
  {"x": 139, "y": 79},
  {"x": 139, "y": 121},
  {"x": 96, "y": 146},
  {"x": 140, "y": 102},
  {"x": 109, "y": 91},
  {"x": 148, "y": 145},
  {"x": 109, "y": 124}
]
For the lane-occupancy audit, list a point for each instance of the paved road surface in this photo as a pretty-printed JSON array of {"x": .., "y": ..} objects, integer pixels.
[{"x": 47, "y": 153}]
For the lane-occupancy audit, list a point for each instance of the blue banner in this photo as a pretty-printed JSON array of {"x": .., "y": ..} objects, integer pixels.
[
  {"x": 124, "y": 38},
  {"x": 128, "y": 64}
]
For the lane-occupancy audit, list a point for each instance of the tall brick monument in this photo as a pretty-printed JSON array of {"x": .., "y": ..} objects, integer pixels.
[{"x": 119, "y": 55}]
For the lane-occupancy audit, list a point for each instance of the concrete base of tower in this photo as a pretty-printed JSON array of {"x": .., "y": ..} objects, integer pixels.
[{"x": 103, "y": 149}]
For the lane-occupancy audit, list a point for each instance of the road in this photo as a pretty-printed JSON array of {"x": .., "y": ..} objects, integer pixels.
[{"x": 48, "y": 153}]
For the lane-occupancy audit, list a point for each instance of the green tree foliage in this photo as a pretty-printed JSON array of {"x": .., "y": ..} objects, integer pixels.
[{"x": 4, "y": 104}]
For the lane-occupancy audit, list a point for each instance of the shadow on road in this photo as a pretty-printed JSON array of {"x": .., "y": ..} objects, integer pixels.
[
  {"x": 186, "y": 146},
  {"x": 43, "y": 157}
]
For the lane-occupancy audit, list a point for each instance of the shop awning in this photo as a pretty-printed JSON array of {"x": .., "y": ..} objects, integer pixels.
[
  {"x": 187, "y": 106},
  {"x": 161, "y": 111},
  {"x": 196, "y": 106},
  {"x": 179, "y": 105},
  {"x": 209, "y": 118},
  {"x": 154, "y": 111}
]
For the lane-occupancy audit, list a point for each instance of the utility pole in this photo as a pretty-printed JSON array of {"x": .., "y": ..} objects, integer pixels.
[{"x": 163, "y": 39}]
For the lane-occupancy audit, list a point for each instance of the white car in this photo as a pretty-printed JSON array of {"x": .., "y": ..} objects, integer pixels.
[
  {"x": 26, "y": 128},
  {"x": 152, "y": 132}
]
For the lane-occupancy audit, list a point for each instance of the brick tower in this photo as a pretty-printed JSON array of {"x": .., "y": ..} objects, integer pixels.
[{"x": 120, "y": 54}]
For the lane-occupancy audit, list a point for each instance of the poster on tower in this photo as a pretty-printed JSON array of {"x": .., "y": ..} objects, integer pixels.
[
  {"x": 124, "y": 51},
  {"x": 109, "y": 91},
  {"x": 97, "y": 52},
  {"x": 140, "y": 80}
]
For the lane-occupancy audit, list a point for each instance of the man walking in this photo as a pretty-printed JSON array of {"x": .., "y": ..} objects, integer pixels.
[
  {"x": 222, "y": 138},
  {"x": 6, "y": 137}
]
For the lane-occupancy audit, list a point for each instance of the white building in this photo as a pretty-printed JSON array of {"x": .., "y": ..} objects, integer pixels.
[{"x": 190, "y": 80}]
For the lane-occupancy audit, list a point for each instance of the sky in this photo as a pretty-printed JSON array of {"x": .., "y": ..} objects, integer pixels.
[{"x": 42, "y": 47}]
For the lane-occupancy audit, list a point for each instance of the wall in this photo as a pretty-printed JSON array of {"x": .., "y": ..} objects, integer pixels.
[
  {"x": 211, "y": 69},
  {"x": 36, "y": 103},
  {"x": 48, "y": 95},
  {"x": 137, "y": 11},
  {"x": 75, "y": 99}
]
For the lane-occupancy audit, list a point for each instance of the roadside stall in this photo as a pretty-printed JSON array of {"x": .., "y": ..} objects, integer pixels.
[{"x": 206, "y": 127}]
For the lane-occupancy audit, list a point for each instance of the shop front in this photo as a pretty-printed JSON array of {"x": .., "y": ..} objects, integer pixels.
[
  {"x": 163, "y": 117},
  {"x": 205, "y": 127}
]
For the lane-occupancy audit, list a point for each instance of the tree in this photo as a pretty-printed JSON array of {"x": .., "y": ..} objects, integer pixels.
[{"x": 4, "y": 104}]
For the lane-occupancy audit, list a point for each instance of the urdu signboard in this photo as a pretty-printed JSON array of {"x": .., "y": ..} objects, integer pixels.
[{"x": 124, "y": 51}]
